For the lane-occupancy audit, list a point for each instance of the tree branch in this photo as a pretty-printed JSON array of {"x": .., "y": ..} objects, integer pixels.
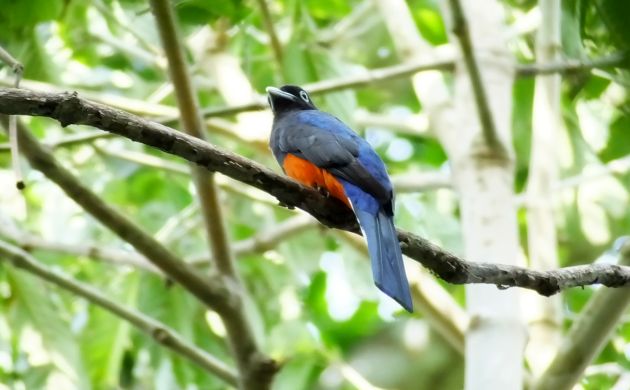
[
  {"x": 336, "y": 84},
  {"x": 154, "y": 329},
  {"x": 372, "y": 76},
  {"x": 571, "y": 66},
  {"x": 27, "y": 242},
  {"x": 587, "y": 335},
  {"x": 17, "y": 69},
  {"x": 255, "y": 369},
  {"x": 167, "y": 114},
  {"x": 68, "y": 108},
  {"x": 70, "y": 140},
  {"x": 488, "y": 126},
  {"x": 212, "y": 293},
  {"x": 276, "y": 46}
]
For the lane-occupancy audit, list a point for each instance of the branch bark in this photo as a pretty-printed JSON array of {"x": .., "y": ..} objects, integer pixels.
[
  {"x": 68, "y": 108},
  {"x": 155, "y": 329}
]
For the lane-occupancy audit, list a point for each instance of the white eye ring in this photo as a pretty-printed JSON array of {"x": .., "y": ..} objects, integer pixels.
[{"x": 304, "y": 96}]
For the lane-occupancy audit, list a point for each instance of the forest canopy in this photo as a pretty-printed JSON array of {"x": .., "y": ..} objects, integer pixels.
[{"x": 174, "y": 262}]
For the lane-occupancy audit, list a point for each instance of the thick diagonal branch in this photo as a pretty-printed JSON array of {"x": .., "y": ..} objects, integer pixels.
[{"x": 68, "y": 108}]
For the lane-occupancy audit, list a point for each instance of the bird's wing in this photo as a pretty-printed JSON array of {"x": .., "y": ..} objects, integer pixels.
[{"x": 337, "y": 154}]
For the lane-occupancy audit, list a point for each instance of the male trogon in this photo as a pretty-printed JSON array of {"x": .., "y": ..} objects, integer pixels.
[{"x": 319, "y": 150}]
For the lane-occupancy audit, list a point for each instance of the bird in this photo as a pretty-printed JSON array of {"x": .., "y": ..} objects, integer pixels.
[{"x": 319, "y": 150}]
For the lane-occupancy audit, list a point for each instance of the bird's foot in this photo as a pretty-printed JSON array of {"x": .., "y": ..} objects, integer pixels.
[{"x": 322, "y": 190}]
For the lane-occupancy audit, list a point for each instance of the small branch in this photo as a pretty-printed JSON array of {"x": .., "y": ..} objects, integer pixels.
[
  {"x": 572, "y": 66},
  {"x": 131, "y": 50},
  {"x": 589, "y": 173},
  {"x": 276, "y": 46},
  {"x": 262, "y": 241},
  {"x": 267, "y": 239},
  {"x": 336, "y": 84},
  {"x": 488, "y": 127},
  {"x": 17, "y": 69},
  {"x": 16, "y": 66},
  {"x": 587, "y": 335},
  {"x": 361, "y": 19},
  {"x": 107, "y": 12},
  {"x": 28, "y": 242},
  {"x": 154, "y": 329},
  {"x": 70, "y": 109},
  {"x": 70, "y": 140}
]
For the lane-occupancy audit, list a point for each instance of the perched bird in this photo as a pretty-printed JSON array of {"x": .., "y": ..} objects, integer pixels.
[{"x": 318, "y": 150}]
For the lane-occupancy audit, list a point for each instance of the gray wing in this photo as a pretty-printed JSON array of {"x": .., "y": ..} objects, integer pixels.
[{"x": 339, "y": 155}]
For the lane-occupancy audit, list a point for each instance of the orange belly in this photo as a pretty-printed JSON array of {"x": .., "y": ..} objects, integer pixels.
[{"x": 309, "y": 174}]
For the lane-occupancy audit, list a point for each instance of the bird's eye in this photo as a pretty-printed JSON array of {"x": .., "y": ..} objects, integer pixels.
[{"x": 304, "y": 96}]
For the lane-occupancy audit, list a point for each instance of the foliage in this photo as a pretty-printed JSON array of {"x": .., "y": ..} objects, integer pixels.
[{"x": 313, "y": 305}]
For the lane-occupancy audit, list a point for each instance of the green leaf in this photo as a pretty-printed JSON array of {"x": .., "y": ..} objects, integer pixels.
[
  {"x": 106, "y": 337},
  {"x": 301, "y": 372},
  {"x": 619, "y": 139},
  {"x": 195, "y": 12},
  {"x": 24, "y": 14},
  {"x": 571, "y": 28},
  {"x": 429, "y": 20},
  {"x": 44, "y": 314},
  {"x": 615, "y": 15}
]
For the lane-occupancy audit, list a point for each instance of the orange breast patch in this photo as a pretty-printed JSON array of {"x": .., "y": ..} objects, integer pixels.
[{"x": 309, "y": 174}]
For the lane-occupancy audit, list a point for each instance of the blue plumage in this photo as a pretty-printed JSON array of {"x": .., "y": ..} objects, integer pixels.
[{"x": 302, "y": 130}]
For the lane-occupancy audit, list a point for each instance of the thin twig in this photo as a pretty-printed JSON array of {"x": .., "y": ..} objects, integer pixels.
[
  {"x": 336, "y": 84},
  {"x": 28, "y": 242},
  {"x": 255, "y": 369},
  {"x": 159, "y": 332},
  {"x": 276, "y": 46},
  {"x": 266, "y": 239},
  {"x": 70, "y": 140},
  {"x": 488, "y": 127},
  {"x": 572, "y": 66},
  {"x": 70, "y": 109},
  {"x": 107, "y": 12},
  {"x": 17, "y": 69}
]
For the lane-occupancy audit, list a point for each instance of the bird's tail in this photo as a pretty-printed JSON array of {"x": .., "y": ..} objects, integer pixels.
[{"x": 387, "y": 263}]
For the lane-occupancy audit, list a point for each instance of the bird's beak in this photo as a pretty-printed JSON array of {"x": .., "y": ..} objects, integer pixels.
[{"x": 274, "y": 92}]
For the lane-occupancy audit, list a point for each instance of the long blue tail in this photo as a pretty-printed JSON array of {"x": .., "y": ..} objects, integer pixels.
[{"x": 387, "y": 263}]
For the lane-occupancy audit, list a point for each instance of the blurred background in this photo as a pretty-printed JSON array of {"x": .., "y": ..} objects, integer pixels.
[{"x": 555, "y": 79}]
